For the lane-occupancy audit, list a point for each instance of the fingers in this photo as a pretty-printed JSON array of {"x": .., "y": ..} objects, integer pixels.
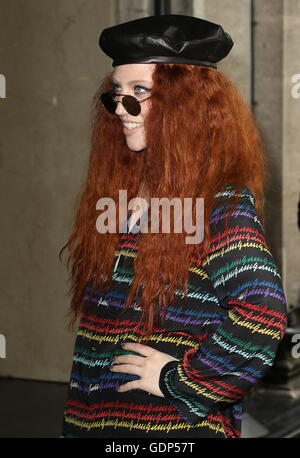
[
  {"x": 130, "y": 359},
  {"x": 127, "y": 369},
  {"x": 129, "y": 386},
  {"x": 138, "y": 348}
]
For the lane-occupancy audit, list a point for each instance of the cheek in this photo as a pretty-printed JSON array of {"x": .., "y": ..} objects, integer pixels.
[{"x": 145, "y": 109}]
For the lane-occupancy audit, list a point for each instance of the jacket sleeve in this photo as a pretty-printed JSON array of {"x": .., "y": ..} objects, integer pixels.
[{"x": 241, "y": 350}]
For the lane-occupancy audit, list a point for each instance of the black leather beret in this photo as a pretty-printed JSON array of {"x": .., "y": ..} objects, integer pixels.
[{"x": 169, "y": 38}]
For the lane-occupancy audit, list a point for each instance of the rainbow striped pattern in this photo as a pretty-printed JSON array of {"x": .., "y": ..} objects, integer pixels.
[{"x": 225, "y": 339}]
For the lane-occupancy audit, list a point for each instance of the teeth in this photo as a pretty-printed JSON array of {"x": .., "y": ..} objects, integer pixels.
[{"x": 130, "y": 125}]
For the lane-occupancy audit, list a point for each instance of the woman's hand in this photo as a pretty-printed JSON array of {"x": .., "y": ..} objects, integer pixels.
[{"x": 147, "y": 367}]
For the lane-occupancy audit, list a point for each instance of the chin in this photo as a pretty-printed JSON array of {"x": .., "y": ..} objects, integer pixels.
[
  {"x": 136, "y": 142},
  {"x": 136, "y": 148}
]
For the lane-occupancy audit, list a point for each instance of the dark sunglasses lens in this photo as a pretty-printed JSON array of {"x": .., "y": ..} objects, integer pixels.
[
  {"x": 131, "y": 105},
  {"x": 108, "y": 103}
]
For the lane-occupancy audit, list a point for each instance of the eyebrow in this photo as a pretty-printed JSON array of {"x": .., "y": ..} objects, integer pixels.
[{"x": 132, "y": 82}]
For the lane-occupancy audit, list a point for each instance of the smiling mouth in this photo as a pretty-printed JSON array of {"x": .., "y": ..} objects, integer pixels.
[{"x": 130, "y": 127}]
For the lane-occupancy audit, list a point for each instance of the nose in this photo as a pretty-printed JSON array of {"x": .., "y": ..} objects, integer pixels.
[{"x": 120, "y": 110}]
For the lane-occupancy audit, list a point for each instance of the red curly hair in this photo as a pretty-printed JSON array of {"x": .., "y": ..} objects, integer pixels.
[{"x": 201, "y": 137}]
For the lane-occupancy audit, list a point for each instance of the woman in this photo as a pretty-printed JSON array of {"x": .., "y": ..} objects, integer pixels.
[{"x": 172, "y": 335}]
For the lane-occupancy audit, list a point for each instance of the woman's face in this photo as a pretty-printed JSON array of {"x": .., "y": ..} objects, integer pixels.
[{"x": 136, "y": 80}]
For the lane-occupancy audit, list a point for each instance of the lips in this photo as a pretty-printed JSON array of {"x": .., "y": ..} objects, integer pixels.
[{"x": 129, "y": 128}]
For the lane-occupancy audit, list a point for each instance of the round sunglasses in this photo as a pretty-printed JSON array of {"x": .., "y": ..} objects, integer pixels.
[{"x": 130, "y": 103}]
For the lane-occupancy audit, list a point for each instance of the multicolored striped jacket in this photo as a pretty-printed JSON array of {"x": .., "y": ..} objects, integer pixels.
[{"x": 225, "y": 340}]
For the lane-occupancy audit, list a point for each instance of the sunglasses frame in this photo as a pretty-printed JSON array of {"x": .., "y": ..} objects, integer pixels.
[{"x": 111, "y": 94}]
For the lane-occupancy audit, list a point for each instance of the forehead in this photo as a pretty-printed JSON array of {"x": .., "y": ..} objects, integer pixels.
[{"x": 133, "y": 72}]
